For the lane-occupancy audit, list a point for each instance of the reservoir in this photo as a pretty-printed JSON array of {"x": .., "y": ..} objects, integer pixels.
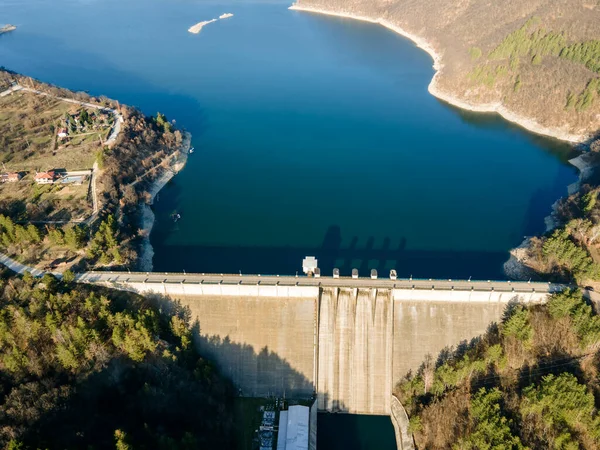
[{"x": 314, "y": 135}]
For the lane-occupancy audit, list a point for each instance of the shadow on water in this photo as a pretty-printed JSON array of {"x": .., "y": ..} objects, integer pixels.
[
  {"x": 563, "y": 151},
  {"x": 541, "y": 201},
  {"x": 288, "y": 260},
  {"x": 355, "y": 432}
]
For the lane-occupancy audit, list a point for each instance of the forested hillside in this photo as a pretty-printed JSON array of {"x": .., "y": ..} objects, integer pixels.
[
  {"x": 89, "y": 368},
  {"x": 540, "y": 58},
  {"x": 530, "y": 382}
]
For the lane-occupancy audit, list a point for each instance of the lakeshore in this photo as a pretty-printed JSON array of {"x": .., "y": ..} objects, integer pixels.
[
  {"x": 514, "y": 267},
  {"x": 148, "y": 218},
  {"x": 254, "y": 163},
  {"x": 525, "y": 122}
]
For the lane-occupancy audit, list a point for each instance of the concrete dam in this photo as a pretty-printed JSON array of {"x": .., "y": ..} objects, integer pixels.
[{"x": 347, "y": 340}]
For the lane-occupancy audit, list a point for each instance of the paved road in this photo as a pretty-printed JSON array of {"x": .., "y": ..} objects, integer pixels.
[
  {"x": 17, "y": 267},
  {"x": 94, "y": 177},
  {"x": 154, "y": 277},
  {"x": 270, "y": 280}
]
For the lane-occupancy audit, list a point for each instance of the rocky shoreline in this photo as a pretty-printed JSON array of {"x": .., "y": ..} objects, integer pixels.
[
  {"x": 147, "y": 220},
  {"x": 525, "y": 122}
]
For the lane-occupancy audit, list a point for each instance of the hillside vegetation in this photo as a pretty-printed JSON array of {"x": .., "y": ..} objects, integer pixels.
[
  {"x": 539, "y": 58},
  {"x": 88, "y": 368},
  {"x": 530, "y": 382},
  {"x": 571, "y": 251},
  {"x": 145, "y": 148}
]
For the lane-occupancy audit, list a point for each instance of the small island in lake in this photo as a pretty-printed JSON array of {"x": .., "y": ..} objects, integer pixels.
[
  {"x": 6, "y": 28},
  {"x": 198, "y": 27}
]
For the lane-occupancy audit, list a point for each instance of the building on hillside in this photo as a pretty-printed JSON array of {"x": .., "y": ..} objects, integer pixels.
[
  {"x": 10, "y": 177},
  {"x": 63, "y": 133},
  {"x": 45, "y": 177}
]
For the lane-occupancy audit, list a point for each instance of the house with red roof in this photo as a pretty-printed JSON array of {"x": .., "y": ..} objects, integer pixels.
[
  {"x": 45, "y": 177},
  {"x": 10, "y": 177}
]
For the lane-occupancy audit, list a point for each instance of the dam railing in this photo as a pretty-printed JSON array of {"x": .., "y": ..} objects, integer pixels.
[{"x": 318, "y": 282}]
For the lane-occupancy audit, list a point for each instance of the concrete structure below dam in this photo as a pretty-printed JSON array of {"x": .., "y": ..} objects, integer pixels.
[{"x": 348, "y": 340}]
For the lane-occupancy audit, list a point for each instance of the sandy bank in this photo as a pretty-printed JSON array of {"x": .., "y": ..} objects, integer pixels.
[
  {"x": 225, "y": 16},
  {"x": 147, "y": 221},
  {"x": 198, "y": 27},
  {"x": 526, "y": 122}
]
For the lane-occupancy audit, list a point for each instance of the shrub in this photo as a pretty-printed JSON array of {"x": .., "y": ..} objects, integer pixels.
[{"x": 475, "y": 53}]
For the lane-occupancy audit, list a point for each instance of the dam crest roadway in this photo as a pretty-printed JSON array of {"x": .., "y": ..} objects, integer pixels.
[{"x": 271, "y": 284}]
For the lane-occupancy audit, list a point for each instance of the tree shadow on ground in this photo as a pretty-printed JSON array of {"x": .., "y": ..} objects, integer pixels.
[
  {"x": 556, "y": 362},
  {"x": 256, "y": 372}
]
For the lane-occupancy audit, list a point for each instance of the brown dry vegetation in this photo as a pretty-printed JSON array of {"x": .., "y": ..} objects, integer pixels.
[
  {"x": 28, "y": 201},
  {"x": 461, "y": 30},
  {"x": 531, "y": 382},
  {"x": 28, "y": 128}
]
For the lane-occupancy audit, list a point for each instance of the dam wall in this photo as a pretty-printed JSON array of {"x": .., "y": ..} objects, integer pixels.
[
  {"x": 266, "y": 345},
  {"x": 355, "y": 350},
  {"x": 225, "y": 290},
  {"x": 346, "y": 340},
  {"x": 370, "y": 338}
]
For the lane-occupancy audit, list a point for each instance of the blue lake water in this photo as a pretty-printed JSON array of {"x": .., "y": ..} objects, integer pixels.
[{"x": 314, "y": 136}]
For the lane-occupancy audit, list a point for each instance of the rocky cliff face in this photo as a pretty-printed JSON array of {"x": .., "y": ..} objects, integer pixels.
[{"x": 537, "y": 61}]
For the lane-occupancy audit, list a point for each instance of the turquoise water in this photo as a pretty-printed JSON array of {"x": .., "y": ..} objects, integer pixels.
[{"x": 313, "y": 135}]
